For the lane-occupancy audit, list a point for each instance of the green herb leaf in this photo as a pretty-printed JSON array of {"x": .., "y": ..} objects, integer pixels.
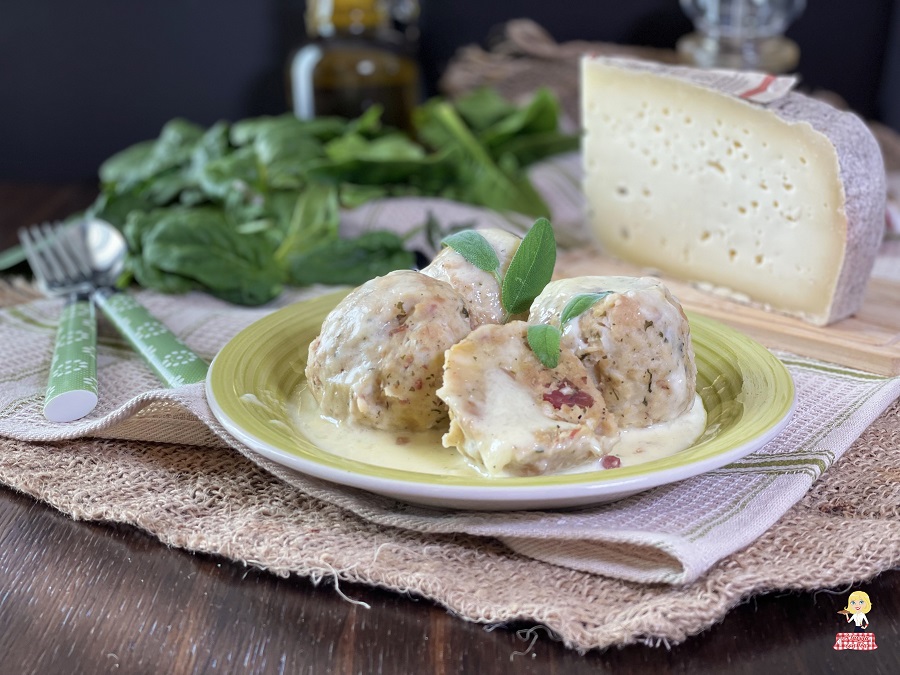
[
  {"x": 544, "y": 342},
  {"x": 349, "y": 261},
  {"x": 275, "y": 186},
  {"x": 579, "y": 304},
  {"x": 315, "y": 219},
  {"x": 475, "y": 249},
  {"x": 180, "y": 249},
  {"x": 530, "y": 269}
]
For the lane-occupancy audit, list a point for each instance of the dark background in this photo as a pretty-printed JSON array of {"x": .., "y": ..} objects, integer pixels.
[{"x": 80, "y": 80}]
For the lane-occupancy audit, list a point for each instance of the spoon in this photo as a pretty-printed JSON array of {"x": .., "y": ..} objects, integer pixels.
[{"x": 102, "y": 248}]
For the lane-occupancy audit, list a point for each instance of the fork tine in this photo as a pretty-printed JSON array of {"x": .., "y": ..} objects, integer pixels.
[
  {"x": 34, "y": 250},
  {"x": 77, "y": 244},
  {"x": 58, "y": 253},
  {"x": 73, "y": 248}
]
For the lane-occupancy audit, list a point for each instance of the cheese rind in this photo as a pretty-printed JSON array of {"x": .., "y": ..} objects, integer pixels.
[{"x": 780, "y": 204}]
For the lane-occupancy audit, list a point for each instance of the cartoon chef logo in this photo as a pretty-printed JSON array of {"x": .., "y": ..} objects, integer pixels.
[{"x": 858, "y": 606}]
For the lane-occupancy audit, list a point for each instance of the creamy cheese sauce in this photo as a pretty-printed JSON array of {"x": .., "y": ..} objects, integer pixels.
[{"x": 422, "y": 452}]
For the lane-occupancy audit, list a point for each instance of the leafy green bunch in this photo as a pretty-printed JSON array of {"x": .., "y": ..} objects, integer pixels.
[{"x": 239, "y": 210}]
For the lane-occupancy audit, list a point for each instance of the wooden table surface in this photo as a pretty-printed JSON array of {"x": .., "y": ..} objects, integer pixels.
[{"x": 102, "y": 598}]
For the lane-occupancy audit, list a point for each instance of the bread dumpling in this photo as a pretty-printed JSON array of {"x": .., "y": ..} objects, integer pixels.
[
  {"x": 479, "y": 289},
  {"x": 511, "y": 415},
  {"x": 379, "y": 357},
  {"x": 635, "y": 343}
]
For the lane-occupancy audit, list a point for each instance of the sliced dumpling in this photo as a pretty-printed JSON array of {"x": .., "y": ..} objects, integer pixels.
[
  {"x": 635, "y": 342},
  {"x": 379, "y": 358},
  {"x": 510, "y": 415},
  {"x": 479, "y": 289}
]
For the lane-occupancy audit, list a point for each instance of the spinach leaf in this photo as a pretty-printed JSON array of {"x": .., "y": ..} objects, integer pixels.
[
  {"x": 541, "y": 115},
  {"x": 237, "y": 171},
  {"x": 534, "y": 147},
  {"x": 388, "y": 148},
  {"x": 185, "y": 248},
  {"x": 314, "y": 220},
  {"x": 479, "y": 179},
  {"x": 483, "y": 107},
  {"x": 349, "y": 261},
  {"x": 137, "y": 164},
  {"x": 429, "y": 175}
]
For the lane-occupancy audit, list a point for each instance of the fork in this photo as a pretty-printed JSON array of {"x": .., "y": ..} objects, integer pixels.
[
  {"x": 72, "y": 383},
  {"x": 99, "y": 250}
]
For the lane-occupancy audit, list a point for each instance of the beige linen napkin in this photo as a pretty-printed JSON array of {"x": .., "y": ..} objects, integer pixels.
[{"x": 672, "y": 534}]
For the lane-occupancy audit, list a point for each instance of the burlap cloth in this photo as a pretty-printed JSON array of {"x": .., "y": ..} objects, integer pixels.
[
  {"x": 653, "y": 568},
  {"x": 209, "y": 498}
]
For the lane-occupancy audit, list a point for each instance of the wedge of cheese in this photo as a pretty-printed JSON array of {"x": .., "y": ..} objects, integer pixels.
[{"x": 780, "y": 205}]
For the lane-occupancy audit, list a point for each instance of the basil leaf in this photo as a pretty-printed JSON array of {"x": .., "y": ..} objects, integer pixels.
[
  {"x": 579, "y": 304},
  {"x": 544, "y": 342},
  {"x": 475, "y": 249},
  {"x": 530, "y": 269}
]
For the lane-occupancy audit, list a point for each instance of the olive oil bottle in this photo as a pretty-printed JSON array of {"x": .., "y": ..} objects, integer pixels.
[{"x": 355, "y": 59}]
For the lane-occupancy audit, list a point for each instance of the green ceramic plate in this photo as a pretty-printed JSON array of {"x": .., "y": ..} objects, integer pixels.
[{"x": 747, "y": 392}]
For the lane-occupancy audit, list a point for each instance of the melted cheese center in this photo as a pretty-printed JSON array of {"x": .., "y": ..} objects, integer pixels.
[{"x": 422, "y": 452}]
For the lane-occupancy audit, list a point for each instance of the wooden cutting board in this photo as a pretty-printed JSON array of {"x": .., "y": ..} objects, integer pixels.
[{"x": 869, "y": 341}]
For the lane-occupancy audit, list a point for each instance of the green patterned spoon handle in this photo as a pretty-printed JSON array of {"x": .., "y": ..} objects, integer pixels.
[
  {"x": 173, "y": 361},
  {"x": 72, "y": 384}
]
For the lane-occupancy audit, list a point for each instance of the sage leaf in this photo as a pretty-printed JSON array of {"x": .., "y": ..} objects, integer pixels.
[
  {"x": 475, "y": 249},
  {"x": 579, "y": 304},
  {"x": 530, "y": 269},
  {"x": 544, "y": 342}
]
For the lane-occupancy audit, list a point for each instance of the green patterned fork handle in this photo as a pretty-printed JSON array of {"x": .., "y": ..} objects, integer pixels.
[
  {"x": 72, "y": 384},
  {"x": 172, "y": 360}
]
